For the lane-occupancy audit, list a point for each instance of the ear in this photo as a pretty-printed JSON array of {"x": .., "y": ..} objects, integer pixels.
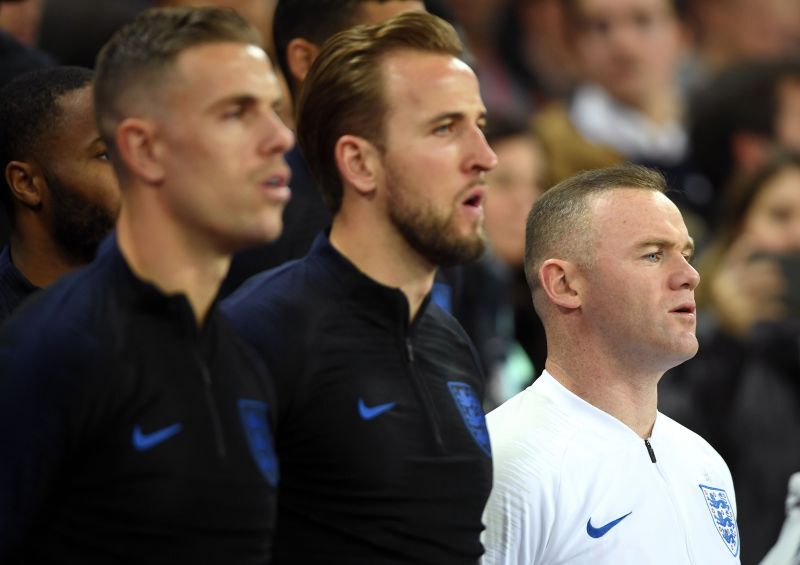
[
  {"x": 300, "y": 54},
  {"x": 358, "y": 162},
  {"x": 139, "y": 149},
  {"x": 558, "y": 279},
  {"x": 25, "y": 182}
]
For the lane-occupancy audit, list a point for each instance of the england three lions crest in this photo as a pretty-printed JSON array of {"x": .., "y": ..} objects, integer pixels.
[
  {"x": 472, "y": 413},
  {"x": 722, "y": 513}
]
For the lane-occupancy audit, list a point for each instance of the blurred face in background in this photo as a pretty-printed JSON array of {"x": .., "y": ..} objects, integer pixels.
[
  {"x": 514, "y": 185},
  {"x": 21, "y": 19},
  {"x": 773, "y": 221},
  {"x": 630, "y": 48}
]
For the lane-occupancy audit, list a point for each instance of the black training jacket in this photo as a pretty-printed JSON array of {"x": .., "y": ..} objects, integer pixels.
[
  {"x": 384, "y": 452},
  {"x": 127, "y": 434}
]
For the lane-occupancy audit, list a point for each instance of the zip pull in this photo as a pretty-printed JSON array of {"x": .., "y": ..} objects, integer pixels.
[
  {"x": 650, "y": 450},
  {"x": 410, "y": 350}
]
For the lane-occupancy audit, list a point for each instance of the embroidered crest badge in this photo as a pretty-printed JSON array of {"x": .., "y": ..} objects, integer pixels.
[
  {"x": 722, "y": 513},
  {"x": 472, "y": 413},
  {"x": 256, "y": 427}
]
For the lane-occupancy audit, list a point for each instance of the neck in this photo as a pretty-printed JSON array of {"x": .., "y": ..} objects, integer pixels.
[
  {"x": 629, "y": 396},
  {"x": 37, "y": 256},
  {"x": 161, "y": 251},
  {"x": 383, "y": 255}
]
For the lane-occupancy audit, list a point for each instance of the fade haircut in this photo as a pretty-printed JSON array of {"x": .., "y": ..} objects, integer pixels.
[
  {"x": 29, "y": 111},
  {"x": 313, "y": 20},
  {"x": 140, "y": 55},
  {"x": 560, "y": 223},
  {"x": 344, "y": 91}
]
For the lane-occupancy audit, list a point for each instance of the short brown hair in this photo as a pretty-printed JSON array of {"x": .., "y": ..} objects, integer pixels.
[
  {"x": 343, "y": 92},
  {"x": 559, "y": 224},
  {"x": 140, "y": 53}
]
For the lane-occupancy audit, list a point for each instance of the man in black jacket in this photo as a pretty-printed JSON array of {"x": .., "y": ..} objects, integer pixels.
[
  {"x": 134, "y": 425},
  {"x": 381, "y": 435}
]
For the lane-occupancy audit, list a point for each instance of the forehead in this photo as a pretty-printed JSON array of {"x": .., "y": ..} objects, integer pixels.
[
  {"x": 783, "y": 188},
  {"x": 75, "y": 125},
  {"x": 627, "y": 216},
  {"x": 209, "y": 72},
  {"x": 422, "y": 85}
]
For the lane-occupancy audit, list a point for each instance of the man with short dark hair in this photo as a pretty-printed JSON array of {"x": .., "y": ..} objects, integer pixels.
[
  {"x": 586, "y": 469},
  {"x": 134, "y": 425},
  {"x": 382, "y": 438},
  {"x": 59, "y": 189},
  {"x": 300, "y": 28}
]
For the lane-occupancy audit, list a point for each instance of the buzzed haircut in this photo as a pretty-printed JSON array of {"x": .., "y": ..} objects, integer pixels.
[
  {"x": 313, "y": 20},
  {"x": 344, "y": 90},
  {"x": 141, "y": 54},
  {"x": 29, "y": 111},
  {"x": 560, "y": 223}
]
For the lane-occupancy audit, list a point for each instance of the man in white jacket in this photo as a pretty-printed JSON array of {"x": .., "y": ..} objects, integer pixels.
[{"x": 586, "y": 469}]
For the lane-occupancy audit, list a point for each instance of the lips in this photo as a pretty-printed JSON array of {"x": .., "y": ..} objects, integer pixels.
[
  {"x": 685, "y": 308},
  {"x": 475, "y": 197},
  {"x": 276, "y": 186}
]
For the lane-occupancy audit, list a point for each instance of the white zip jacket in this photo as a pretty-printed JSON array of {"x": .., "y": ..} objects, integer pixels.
[{"x": 572, "y": 484}]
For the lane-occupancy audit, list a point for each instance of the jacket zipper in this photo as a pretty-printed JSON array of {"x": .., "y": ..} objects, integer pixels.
[
  {"x": 424, "y": 394},
  {"x": 216, "y": 423},
  {"x": 650, "y": 451}
]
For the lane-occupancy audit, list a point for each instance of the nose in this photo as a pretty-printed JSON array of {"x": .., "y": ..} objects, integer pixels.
[
  {"x": 276, "y": 137},
  {"x": 480, "y": 158},
  {"x": 684, "y": 276}
]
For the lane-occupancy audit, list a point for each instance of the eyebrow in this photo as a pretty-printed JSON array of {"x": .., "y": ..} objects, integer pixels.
[
  {"x": 455, "y": 116},
  {"x": 666, "y": 243},
  {"x": 240, "y": 99}
]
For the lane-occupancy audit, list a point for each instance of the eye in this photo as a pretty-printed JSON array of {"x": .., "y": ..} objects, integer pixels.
[
  {"x": 103, "y": 156},
  {"x": 443, "y": 129},
  {"x": 234, "y": 113},
  {"x": 653, "y": 257}
]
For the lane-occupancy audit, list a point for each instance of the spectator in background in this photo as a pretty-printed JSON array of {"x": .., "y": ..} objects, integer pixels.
[
  {"x": 58, "y": 186},
  {"x": 628, "y": 105},
  {"x": 742, "y": 391},
  {"x": 134, "y": 425},
  {"x": 300, "y": 27},
  {"x": 736, "y": 122},
  {"x": 729, "y": 32},
  {"x": 381, "y": 435}
]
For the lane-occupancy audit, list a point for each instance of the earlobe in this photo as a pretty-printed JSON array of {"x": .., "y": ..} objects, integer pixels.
[
  {"x": 300, "y": 54},
  {"x": 558, "y": 278},
  {"x": 25, "y": 183},
  {"x": 356, "y": 159},
  {"x": 138, "y": 149}
]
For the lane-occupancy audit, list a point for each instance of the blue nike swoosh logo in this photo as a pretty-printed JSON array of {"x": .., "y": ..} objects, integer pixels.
[
  {"x": 143, "y": 441},
  {"x": 603, "y": 530},
  {"x": 370, "y": 412}
]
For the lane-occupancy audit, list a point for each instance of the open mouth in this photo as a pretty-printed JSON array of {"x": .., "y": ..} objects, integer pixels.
[
  {"x": 475, "y": 198},
  {"x": 688, "y": 308}
]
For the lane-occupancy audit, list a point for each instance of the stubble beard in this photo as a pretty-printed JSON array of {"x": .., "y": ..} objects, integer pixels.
[
  {"x": 431, "y": 235},
  {"x": 78, "y": 224}
]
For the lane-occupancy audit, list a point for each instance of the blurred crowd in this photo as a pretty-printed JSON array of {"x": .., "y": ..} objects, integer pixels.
[{"x": 707, "y": 91}]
